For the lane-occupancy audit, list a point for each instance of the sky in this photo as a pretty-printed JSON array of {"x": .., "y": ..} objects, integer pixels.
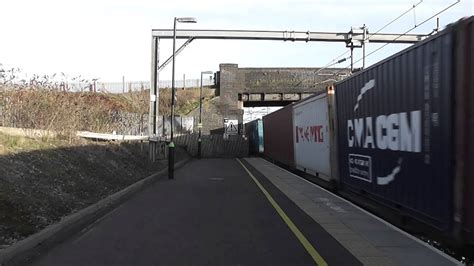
[{"x": 108, "y": 39}]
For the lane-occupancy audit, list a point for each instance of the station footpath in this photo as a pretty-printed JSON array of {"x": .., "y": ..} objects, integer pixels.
[
  {"x": 370, "y": 239},
  {"x": 239, "y": 212}
]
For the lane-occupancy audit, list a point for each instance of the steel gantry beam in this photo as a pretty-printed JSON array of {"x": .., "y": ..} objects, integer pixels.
[
  {"x": 181, "y": 48},
  {"x": 306, "y": 36}
]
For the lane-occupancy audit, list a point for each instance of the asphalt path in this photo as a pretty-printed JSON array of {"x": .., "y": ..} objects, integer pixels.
[{"x": 212, "y": 213}]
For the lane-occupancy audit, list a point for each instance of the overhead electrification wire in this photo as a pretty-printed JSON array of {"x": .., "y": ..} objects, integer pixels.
[
  {"x": 334, "y": 62},
  {"x": 395, "y": 19},
  {"x": 414, "y": 27},
  {"x": 396, "y": 38}
]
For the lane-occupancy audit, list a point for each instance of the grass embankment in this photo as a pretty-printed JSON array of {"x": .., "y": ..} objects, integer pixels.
[
  {"x": 186, "y": 100},
  {"x": 42, "y": 181},
  {"x": 68, "y": 112}
]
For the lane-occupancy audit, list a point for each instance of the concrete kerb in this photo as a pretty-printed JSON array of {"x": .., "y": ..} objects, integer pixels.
[{"x": 75, "y": 222}]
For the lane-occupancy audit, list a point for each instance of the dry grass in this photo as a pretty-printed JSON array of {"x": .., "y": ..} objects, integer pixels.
[
  {"x": 3, "y": 150},
  {"x": 62, "y": 112},
  {"x": 10, "y": 144},
  {"x": 68, "y": 112},
  {"x": 186, "y": 100}
]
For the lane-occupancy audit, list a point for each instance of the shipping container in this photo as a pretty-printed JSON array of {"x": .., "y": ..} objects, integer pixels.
[
  {"x": 464, "y": 129},
  {"x": 395, "y": 131},
  {"x": 254, "y": 133},
  {"x": 278, "y": 136},
  {"x": 314, "y": 136}
]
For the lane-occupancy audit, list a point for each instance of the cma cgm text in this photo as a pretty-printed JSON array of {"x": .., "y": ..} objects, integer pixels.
[{"x": 397, "y": 132}]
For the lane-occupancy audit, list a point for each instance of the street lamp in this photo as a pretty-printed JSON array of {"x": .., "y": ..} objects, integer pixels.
[
  {"x": 171, "y": 145},
  {"x": 200, "y": 112}
]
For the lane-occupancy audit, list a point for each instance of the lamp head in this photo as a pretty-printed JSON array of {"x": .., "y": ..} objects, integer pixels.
[{"x": 186, "y": 20}]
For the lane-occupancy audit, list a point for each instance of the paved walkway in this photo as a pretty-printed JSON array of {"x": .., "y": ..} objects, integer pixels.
[
  {"x": 372, "y": 240},
  {"x": 238, "y": 212}
]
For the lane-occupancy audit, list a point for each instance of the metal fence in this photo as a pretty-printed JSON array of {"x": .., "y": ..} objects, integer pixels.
[
  {"x": 127, "y": 86},
  {"x": 135, "y": 124},
  {"x": 181, "y": 125},
  {"x": 122, "y": 123},
  {"x": 214, "y": 146}
]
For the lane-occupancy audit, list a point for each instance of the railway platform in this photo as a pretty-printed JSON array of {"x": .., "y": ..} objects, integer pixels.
[
  {"x": 370, "y": 239},
  {"x": 240, "y": 212}
]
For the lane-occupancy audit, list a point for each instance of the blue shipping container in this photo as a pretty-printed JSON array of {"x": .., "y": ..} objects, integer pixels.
[
  {"x": 254, "y": 133},
  {"x": 395, "y": 131}
]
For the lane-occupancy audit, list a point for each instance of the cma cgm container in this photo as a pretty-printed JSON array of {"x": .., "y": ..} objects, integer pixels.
[
  {"x": 396, "y": 129},
  {"x": 314, "y": 136},
  {"x": 254, "y": 133},
  {"x": 278, "y": 136}
]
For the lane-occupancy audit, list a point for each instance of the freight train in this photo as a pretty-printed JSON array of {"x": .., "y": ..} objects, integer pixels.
[{"x": 397, "y": 137}]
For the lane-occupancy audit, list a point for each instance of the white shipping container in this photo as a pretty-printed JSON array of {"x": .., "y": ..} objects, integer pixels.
[{"x": 311, "y": 138}]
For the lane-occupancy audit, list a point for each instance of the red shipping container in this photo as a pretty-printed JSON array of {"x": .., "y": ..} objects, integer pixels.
[{"x": 278, "y": 136}]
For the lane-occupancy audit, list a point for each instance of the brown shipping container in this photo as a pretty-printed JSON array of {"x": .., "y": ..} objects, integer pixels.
[
  {"x": 464, "y": 124},
  {"x": 278, "y": 136}
]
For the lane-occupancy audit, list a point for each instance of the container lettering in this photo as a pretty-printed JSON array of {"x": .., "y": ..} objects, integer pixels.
[
  {"x": 309, "y": 134},
  {"x": 394, "y": 132}
]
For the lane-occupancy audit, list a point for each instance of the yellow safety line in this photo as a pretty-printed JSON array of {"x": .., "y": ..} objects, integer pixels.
[{"x": 304, "y": 241}]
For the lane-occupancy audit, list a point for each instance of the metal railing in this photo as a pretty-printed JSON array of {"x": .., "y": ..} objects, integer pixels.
[{"x": 122, "y": 87}]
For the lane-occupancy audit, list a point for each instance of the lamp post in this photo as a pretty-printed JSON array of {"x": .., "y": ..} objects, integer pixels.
[
  {"x": 171, "y": 145},
  {"x": 200, "y": 113}
]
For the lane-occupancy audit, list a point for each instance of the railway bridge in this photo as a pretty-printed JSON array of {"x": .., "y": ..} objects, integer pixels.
[{"x": 249, "y": 87}]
